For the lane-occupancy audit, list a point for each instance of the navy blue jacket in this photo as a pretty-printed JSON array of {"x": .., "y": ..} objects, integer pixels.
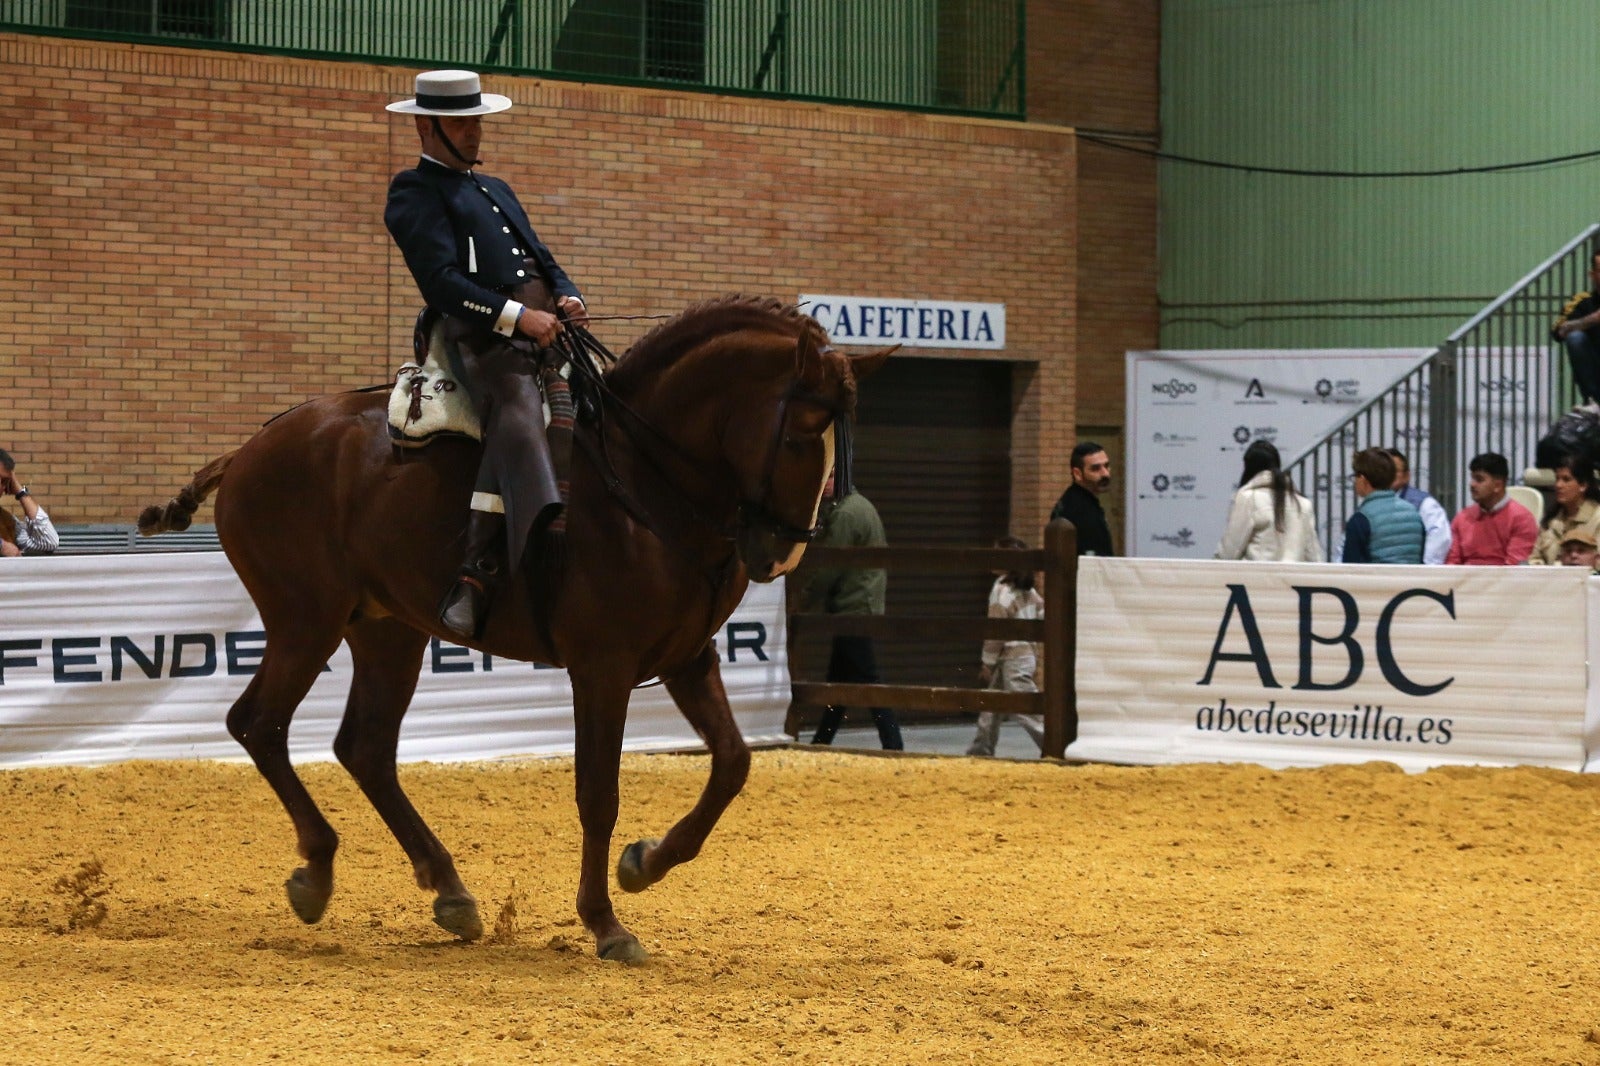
[{"x": 465, "y": 237}]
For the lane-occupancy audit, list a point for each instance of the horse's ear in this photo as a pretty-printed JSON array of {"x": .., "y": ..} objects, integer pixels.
[
  {"x": 808, "y": 361},
  {"x": 869, "y": 362}
]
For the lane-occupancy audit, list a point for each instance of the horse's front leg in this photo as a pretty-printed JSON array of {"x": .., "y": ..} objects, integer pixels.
[
  {"x": 698, "y": 691},
  {"x": 600, "y": 709}
]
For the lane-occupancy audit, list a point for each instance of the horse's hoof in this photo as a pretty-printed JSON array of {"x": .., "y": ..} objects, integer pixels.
[
  {"x": 625, "y": 949},
  {"x": 306, "y": 898},
  {"x": 630, "y": 866},
  {"x": 458, "y": 915}
]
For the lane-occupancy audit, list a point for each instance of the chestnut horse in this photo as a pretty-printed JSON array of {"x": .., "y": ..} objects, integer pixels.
[{"x": 706, "y": 472}]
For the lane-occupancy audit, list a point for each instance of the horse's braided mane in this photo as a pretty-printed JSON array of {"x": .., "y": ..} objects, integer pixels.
[{"x": 660, "y": 347}]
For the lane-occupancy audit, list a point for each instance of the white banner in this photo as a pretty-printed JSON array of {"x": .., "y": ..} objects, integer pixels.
[
  {"x": 1306, "y": 664},
  {"x": 140, "y": 656},
  {"x": 914, "y": 323},
  {"x": 1502, "y": 405},
  {"x": 1191, "y": 414}
]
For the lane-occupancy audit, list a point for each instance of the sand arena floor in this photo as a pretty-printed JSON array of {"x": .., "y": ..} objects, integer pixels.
[{"x": 849, "y": 909}]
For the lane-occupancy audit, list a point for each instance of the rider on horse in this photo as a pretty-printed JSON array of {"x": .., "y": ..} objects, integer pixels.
[{"x": 479, "y": 263}]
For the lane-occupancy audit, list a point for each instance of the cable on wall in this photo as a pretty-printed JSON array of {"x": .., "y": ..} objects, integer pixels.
[{"x": 1495, "y": 168}]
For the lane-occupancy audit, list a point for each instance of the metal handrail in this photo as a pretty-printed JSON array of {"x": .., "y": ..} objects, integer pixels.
[
  {"x": 1364, "y": 408},
  {"x": 1527, "y": 281},
  {"x": 1495, "y": 384}
]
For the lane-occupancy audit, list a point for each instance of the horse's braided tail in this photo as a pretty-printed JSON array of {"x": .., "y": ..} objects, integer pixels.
[{"x": 174, "y": 515}]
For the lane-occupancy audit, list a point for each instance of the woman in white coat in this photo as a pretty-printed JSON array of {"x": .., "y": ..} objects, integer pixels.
[{"x": 1269, "y": 521}]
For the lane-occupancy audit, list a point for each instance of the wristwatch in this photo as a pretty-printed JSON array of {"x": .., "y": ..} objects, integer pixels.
[{"x": 21, "y": 492}]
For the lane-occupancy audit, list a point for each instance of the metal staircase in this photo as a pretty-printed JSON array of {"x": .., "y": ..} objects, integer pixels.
[{"x": 1495, "y": 385}]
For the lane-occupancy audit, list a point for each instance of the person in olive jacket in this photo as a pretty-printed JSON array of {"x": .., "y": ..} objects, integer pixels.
[{"x": 850, "y": 522}]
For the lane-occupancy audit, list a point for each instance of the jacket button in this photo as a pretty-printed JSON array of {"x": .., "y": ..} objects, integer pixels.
[{"x": 522, "y": 273}]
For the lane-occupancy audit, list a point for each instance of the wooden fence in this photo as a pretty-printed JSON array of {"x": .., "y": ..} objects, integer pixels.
[{"x": 1057, "y": 632}]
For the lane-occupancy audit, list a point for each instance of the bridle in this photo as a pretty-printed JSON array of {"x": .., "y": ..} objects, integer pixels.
[
  {"x": 586, "y": 354},
  {"x": 757, "y": 514}
]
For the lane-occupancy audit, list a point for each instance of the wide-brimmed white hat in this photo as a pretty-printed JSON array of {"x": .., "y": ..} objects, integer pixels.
[{"x": 451, "y": 92}]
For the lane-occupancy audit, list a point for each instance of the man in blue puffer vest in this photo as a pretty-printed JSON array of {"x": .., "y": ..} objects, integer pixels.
[{"x": 1385, "y": 528}]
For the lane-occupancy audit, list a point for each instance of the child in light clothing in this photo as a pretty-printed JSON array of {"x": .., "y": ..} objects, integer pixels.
[{"x": 1009, "y": 666}]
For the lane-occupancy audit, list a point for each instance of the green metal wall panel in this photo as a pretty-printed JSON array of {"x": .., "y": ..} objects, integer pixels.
[
  {"x": 960, "y": 55},
  {"x": 1263, "y": 260}
]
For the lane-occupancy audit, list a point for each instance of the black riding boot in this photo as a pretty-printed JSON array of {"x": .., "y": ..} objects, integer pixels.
[{"x": 467, "y": 603}]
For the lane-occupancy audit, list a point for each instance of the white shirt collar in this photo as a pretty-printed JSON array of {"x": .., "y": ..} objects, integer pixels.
[{"x": 441, "y": 163}]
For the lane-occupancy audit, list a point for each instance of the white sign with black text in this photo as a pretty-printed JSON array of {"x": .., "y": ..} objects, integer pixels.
[
  {"x": 113, "y": 657},
  {"x": 914, "y": 323},
  {"x": 1191, "y": 414},
  {"x": 1310, "y": 664}
]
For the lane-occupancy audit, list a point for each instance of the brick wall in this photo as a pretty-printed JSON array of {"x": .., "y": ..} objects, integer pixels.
[
  {"x": 196, "y": 240},
  {"x": 1094, "y": 65}
]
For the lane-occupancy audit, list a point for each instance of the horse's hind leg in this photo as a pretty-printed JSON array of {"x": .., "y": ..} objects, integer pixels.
[
  {"x": 698, "y": 691},
  {"x": 259, "y": 721},
  {"x": 388, "y": 657}
]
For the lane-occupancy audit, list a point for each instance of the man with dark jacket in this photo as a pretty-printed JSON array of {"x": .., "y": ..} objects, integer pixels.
[
  {"x": 477, "y": 260},
  {"x": 1080, "y": 504}
]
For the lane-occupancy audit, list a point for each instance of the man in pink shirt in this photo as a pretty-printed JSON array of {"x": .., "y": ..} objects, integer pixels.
[{"x": 1492, "y": 530}]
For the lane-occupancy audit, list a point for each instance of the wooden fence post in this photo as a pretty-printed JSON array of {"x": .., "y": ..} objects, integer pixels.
[
  {"x": 1060, "y": 637},
  {"x": 791, "y": 718}
]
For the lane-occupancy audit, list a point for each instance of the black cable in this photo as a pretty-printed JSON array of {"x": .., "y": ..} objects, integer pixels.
[{"x": 1496, "y": 168}]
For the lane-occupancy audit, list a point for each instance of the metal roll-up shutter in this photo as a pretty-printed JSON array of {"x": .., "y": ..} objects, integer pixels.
[{"x": 933, "y": 454}]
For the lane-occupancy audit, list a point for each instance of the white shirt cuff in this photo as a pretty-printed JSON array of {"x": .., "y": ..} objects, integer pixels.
[{"x": 506, "y": 324}]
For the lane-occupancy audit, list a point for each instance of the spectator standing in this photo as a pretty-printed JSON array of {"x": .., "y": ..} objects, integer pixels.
[
  {"x": 1491, "y": 530},
  {"x": 1268, "y": 520},
  {"x": 850, "y": 522},
  {"x": 1385, "y": 528},
  {"x": 1435, "y": 521},
  {"x": 1010, "y": 665},
  {"x": 1080, "y": 504},
  {"x": 1579, "y": 549},
  {"x": 33, "y": 534},
  {"x": 1578, "y": 330},
  {"x": 1574, "y": 504}
]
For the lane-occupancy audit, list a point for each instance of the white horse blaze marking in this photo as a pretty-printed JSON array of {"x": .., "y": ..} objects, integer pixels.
[{"x": 795, "y": 553}]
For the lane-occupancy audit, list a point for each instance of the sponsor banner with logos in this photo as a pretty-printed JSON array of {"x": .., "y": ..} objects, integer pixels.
[
  {"x": 115, "y": 657},
  {"x": 1310, "y": 664},
  {"x": 1191, "y": 414},
  {"x": 1500, "y": 402},
  {"x": 915, "y": 323}
]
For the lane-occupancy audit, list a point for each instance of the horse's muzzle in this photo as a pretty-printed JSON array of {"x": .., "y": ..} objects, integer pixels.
[{"x": 766, "y": 556}]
